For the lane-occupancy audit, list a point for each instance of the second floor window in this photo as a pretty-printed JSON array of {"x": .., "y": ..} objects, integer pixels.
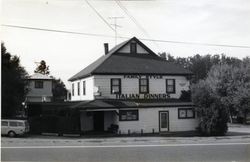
[
  {"x": 115, "y": 86},
  {"x": 73, "y": 89},
  {"x": 84, "y": 87},
  {"x": 39, "y": 84},
  {"x": 143, "y": 85},
  {"x": 78, "y": 88},
  {"x": 170, "y": 85}
]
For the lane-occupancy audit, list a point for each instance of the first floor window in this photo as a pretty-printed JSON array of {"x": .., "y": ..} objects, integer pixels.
[
  {"x": 170, "y": 85},
  {"x": 39, "y": 84},
  {"x": 186, "y": 113},
  {"x": 128, "y": 115},
  {"x": 73, "y": 89},
  {"x": 115, "y": 86},
  {"x": 143, "y": 85}
]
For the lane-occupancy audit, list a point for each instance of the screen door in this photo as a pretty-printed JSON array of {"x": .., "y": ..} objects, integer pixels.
[{"x": 164, "y": 121}]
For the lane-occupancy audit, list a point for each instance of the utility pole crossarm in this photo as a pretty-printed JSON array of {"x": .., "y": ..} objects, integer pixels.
[{"x": 115, "y": 25}]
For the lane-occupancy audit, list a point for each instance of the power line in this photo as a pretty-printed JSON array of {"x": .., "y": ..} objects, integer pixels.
[
  {"x": 123, "y": 37},
  {"x": 131, "y": 17},
  {"x": 99, "y": 15},
  {"x": 58, "y": 31},
  {"x": 125, "y": 10},
  {"x": 194, "y": 43}
]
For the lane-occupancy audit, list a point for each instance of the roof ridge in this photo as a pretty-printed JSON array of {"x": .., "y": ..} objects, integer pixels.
[{"x": 110, "y": 53}]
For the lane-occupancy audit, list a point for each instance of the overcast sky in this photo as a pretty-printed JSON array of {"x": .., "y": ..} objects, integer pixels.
[{"x": 199, "y": 21}]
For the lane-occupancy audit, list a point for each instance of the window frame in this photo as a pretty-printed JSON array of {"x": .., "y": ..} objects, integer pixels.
[
  {"x": 186, "y": 112},
  {"x": 147, "y": 86},
  {"x": 4, "y": 123},
  {"x": 124, "y": 112},
  {"x": 119, "y": 85},
  {"x": 84, "y": 87},
  {"x": 78, "y": 88},
  {"x": 73, "y": 89},
  {"x": 174, "y": 86},
  {"x": 38, "y": 84},
  {"x": 133, "y": 47},
  {"x": 13, "y": 124}
]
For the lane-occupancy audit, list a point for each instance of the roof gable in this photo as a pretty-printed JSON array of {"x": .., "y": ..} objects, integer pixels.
[{"x": 120, "y": 60}]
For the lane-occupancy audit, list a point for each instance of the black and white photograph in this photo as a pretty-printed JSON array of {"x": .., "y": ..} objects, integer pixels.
[{"x": 125, "y": 80}]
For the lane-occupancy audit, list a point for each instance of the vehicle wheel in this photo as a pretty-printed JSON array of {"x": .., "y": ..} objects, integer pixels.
[{"x": 11, "y": 134}]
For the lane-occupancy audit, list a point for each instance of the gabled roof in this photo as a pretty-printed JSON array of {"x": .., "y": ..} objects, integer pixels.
[
  {"x": 126, "y": 63},
  {"x": 39, "y": 76}
]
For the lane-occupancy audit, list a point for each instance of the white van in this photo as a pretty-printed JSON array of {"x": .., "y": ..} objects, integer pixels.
[{"x": 12, "y": 127}]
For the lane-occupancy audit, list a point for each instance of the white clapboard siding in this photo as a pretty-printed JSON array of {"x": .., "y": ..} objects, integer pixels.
[
  {"x": 128, "y": 86},
  {"x": 89, "y": 95},
  {"x": 126, "y": 49},
  {"x": 131, "y": 86},
  {"x": 149, "y": 120},
  {"x": 87, "y": 123},
  {"x": 40, "y": 94}
]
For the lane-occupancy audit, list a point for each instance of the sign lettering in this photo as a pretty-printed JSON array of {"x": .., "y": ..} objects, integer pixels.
[
  {"x": 142, "y": 96},
  {"x": 143, "y": 76}
]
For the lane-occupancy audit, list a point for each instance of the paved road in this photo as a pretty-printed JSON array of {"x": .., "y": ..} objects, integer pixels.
[{"x": 126, "y": 153}]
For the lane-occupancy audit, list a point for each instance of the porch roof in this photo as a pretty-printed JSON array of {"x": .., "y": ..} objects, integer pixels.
[{"x": 119, "y": 104}]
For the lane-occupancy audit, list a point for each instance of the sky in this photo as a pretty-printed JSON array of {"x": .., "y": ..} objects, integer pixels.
[{"x": 225, "y": 22}]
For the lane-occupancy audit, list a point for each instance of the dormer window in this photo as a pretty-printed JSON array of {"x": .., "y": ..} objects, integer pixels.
[{"x": 133, "y": 48}]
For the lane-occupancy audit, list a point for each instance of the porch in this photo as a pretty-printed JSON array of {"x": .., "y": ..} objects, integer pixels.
[{"x": 98, "y": 121}]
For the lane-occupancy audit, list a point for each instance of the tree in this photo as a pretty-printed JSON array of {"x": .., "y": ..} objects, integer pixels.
[
  {"x": 59, "y": 90},
  {"x": 225, "y": 91},
  {"x": 213, "y": 115},
  {"x": 42, "y": 68},
  {"x": 14, "y": 83}
]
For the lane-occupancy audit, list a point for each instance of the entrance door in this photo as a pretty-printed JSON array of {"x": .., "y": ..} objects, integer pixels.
[
  {"x": 99, "y": 121},
  {"x": 163, "y": 121}
]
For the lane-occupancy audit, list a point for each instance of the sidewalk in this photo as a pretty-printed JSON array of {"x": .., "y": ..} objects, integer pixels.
[
  {"x": 239, "y": 128},
  {"x": 236, "y": 134}
]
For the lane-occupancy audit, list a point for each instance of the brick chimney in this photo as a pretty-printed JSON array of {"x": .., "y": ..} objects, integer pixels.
[{"x": 106, "y": 48}]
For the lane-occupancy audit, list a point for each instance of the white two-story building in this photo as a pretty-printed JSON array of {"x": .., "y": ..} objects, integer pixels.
[{"x": 133, "y": 89}]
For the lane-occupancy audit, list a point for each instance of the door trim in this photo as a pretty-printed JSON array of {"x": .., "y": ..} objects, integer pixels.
[{"x": 160, "y": 121}]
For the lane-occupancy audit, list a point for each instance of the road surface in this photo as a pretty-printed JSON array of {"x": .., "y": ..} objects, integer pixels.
[{"x": 126, "y": 150}]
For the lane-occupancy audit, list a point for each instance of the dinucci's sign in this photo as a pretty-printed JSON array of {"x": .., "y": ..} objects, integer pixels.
[
  {"x": 143, "y": 76},
  {"x": 142, "y": 96}
]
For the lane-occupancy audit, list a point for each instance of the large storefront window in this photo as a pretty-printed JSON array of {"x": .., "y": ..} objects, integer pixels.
[
  {"x": 143, "y": 85},
  {"x": 115, "y": 86},
  {"x": 170, "y": 85},
  {"x": 186, "y": 113},
  {"x": 128, "y": 115}
]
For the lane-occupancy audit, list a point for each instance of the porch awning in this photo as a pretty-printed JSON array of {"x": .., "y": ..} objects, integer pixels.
[{"x": 112, "y": 104}]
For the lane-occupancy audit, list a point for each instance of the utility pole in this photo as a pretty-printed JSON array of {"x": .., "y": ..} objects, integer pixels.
[{"x": 115, "y": 25}]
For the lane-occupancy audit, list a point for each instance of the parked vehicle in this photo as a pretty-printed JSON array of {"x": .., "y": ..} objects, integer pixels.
[{"x": 13, "y": 127}]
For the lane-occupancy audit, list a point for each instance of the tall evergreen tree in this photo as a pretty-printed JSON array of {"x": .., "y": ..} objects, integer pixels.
[{"x": 14, "y": 84}]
